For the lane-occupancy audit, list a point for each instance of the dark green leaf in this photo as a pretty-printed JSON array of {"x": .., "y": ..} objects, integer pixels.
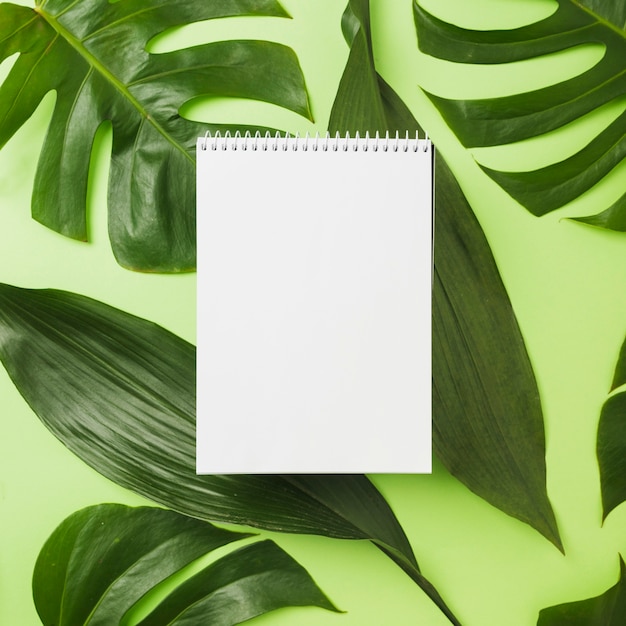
[
  {"x": 249, "y": 582},
  {"x": 364, "y": 101},
  {"x": 494, "y": 121},
  {"x": 480, "y": 364},
  {"x": 611, "y": 443},
  {"x": 609, "y": 609},
  {"x": 92, "y": 53},
  {"x": 487, "y": 418},
  {"x": 613, "y": 218},
  {"x": 120, "y": 393},
  {"x": 101, "y": 561}
]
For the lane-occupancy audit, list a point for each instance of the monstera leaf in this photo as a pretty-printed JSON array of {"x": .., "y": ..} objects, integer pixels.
[
  {"x": 99, "y": 564},
  {"x": 93, "y": 55},
  {"x": 608, "y": 609},
  {"x": 493, "y": 121},
  {"x": 611, "y": 444}
]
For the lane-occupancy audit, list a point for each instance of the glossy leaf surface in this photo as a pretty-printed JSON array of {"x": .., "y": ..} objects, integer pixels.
[
  {"x": 120, "y": 393},
  {"x": 252, "y": 581},
  {"x": 93, "y": 55},
  {"x": 608, "y": 609},
  {"x": 495, "y": 121},
  {"x": 611, "y": 443},
  {"x": 101, "y": 561}
]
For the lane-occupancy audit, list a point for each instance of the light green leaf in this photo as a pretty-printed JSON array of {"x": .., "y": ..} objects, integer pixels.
[
  {"x": 495, "y": 121},
  {"x": 608, "y": 609},
  {"x": 92, "y": 54},
  {"x": 120, "y": 393},
  {"x": 103, "y": 560}
]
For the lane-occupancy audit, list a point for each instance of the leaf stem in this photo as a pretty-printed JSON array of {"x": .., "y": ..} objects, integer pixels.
[{"x": 416, "y": 576}]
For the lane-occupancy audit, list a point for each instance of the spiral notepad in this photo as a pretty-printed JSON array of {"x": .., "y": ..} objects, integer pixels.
[{"x": 314, "y": 317}]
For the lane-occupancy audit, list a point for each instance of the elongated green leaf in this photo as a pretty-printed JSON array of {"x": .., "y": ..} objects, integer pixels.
[
  {"x": 611, "y": 443},
  {"x": 487, "y": 417},
  {"x": 364, "y": 101},
  {"x": 92, "y": 53},
  {"x": 120, "y": 393},
  {"x": 608, "y": 609},
  {"x": 494, "y": 121},
  {"x": 101, "y": 561},
  {"x": 493, "y": 465}
]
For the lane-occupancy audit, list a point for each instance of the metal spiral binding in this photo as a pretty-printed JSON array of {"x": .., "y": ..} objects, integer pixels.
[{"x": 317, "y": 142}]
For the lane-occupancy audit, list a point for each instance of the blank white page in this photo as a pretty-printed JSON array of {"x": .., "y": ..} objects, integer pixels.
[{"x": 314, "y": 306}]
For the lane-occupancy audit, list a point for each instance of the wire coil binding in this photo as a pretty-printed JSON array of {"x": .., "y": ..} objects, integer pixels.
[{"x": 317, "y": 142}]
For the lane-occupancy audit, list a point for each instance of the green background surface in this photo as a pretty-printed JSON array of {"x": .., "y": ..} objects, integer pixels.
[{"x": 566, "y": 282}]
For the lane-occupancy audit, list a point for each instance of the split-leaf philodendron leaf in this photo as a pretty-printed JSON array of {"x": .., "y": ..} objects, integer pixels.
[
  {"x": 611, "y": 443},
  {"x": 608, "y": 609},
  {"x": 100, "y": 563},
  {"x": 502, "y": 120},
  {"x": 487, "y": 417},
  {"x": 119, "y": 392},
  {"x": 93, "y": 55}
]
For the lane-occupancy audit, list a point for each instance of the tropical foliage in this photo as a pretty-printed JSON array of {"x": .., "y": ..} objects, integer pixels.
[
  {"x": 119, "y": 391},
  {"x": 488, "y": 436},
  {"x": 607, "y": 609},
  {"x": 93, "y": 55},
  {"x": 100, "y": 563},
  {"x": 508, "y": 119}
]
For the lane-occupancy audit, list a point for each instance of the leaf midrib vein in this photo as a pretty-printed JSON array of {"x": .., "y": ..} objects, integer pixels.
[
  {"x": 118, "y": 85},
  {"x": 518, "y": 469},
  {"x": 599, "y": 18},
  {"x": 178, "y": 70},
  {"x": 83, "y": 351}
]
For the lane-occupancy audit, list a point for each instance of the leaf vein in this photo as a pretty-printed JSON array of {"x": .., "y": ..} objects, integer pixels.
[{"x": 117, "y": 84}]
